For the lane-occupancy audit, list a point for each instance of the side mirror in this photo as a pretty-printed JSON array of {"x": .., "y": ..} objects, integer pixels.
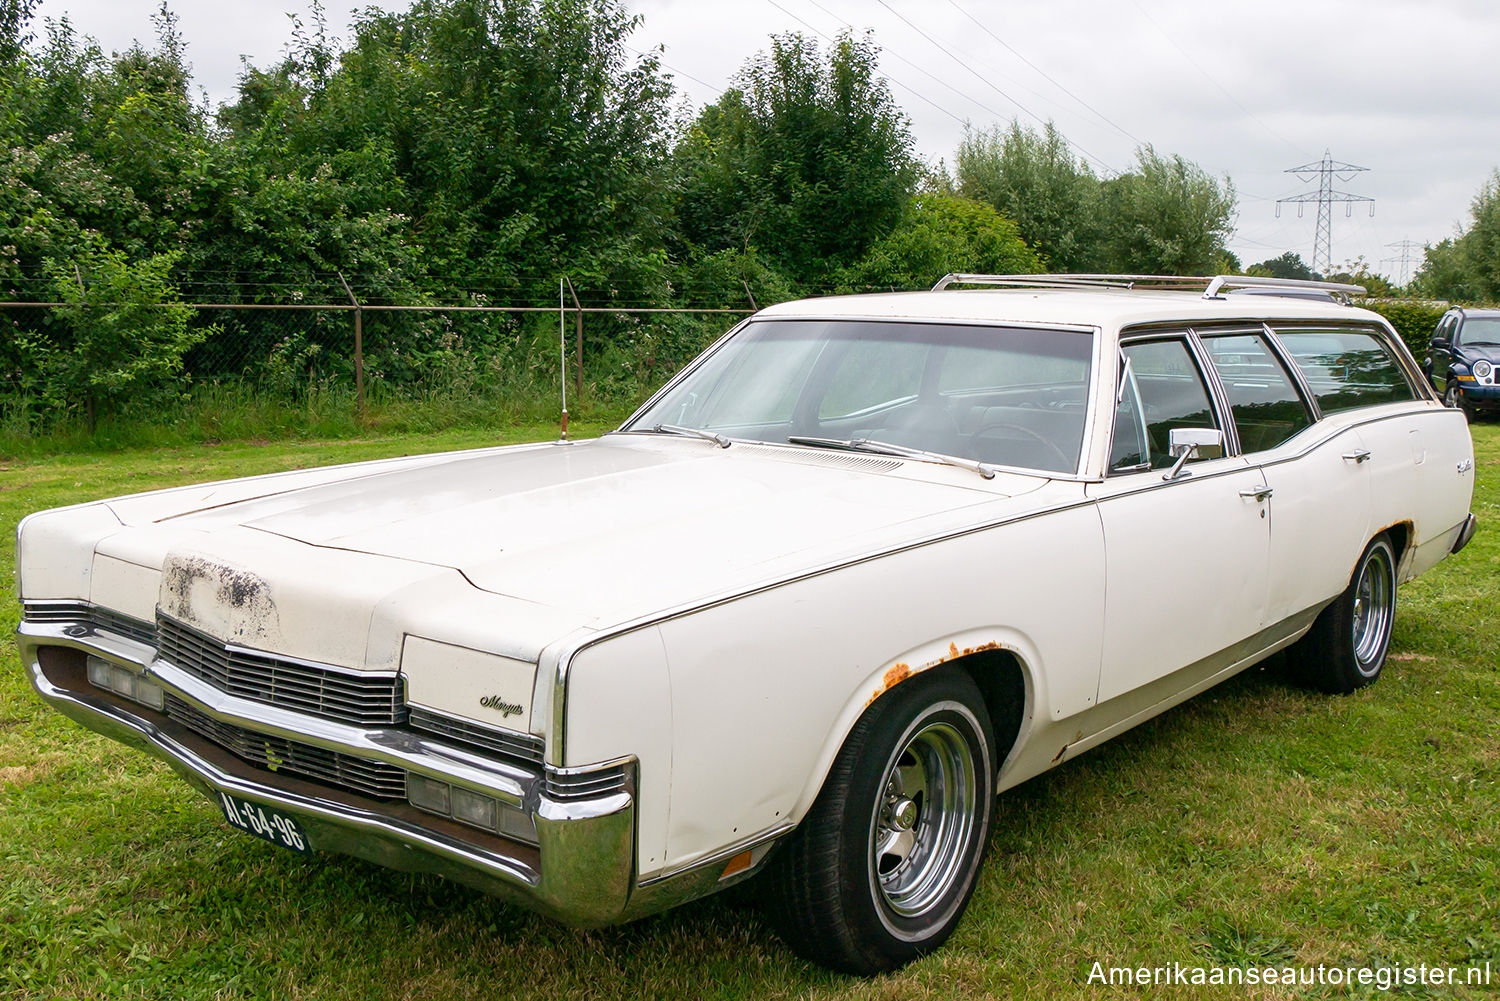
[
  {"x": 1192, "y": 443},
  {"x": 1441, "y": 342}
]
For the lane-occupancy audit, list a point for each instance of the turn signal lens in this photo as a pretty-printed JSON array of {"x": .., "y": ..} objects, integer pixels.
[
  {"x": 99, "y": 669},
  {"x": 472, "y": 808},
  {"x": 427, "y": 794}
]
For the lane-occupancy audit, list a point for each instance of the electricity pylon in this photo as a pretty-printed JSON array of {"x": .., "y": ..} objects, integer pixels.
[
  {"x": 1406, "y": 247},
  {"x": 1325, "y": 170}
]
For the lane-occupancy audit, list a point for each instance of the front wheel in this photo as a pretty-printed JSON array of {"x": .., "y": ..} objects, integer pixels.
[
  {"x": 883, "y": 865},
  {"x": 1346, "y": 647}
]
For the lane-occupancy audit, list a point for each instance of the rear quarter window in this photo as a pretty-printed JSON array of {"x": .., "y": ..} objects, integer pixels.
[{"x": 1347, "y": 369}]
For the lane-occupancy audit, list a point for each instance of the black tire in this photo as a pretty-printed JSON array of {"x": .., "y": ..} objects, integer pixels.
[
  {"x": 879, "y": 874},
  {"x": 1453, "y": 398},
  {"x": 1345, "y": 649}
]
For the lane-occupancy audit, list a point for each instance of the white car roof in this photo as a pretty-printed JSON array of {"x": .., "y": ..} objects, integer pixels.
[{"x": 1105, "y": 308}]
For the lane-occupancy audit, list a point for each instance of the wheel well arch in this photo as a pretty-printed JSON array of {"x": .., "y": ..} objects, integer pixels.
[
  {"x": 1002, "y": 682},
  {"x": 1401, "y": 534}
]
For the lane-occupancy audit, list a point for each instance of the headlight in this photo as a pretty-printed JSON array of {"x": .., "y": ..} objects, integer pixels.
[{"x": 1483, "y": 369}]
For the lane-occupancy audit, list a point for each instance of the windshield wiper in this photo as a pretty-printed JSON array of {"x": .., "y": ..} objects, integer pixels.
[
  {"x": 886, "y": 448},
  {"x": 714, "y": 437}
]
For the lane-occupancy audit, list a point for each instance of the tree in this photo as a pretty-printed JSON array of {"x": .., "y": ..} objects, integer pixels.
[
  {"x": 938, "y": 234},
  {"x": 1287, "y": 265},
  {"x": 1033, "y": 178},
  {"x": 1167, "y": 217},
  {"x": 807, "y": 159},
  {"x": 1467, "y": 267},
  {"x": 118, "y": 340}
]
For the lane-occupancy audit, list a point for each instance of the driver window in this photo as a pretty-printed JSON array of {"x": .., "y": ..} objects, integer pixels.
[{"x": 1163, "y": 390}]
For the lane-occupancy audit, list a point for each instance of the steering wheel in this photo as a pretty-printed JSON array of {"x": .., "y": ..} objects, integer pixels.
[{"x": 1025, "y": 432}]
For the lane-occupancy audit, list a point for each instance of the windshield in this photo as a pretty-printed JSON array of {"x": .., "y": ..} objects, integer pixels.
[
  {"x": 1006, "y": 396},
  {"x": 1481, "y": 330}
]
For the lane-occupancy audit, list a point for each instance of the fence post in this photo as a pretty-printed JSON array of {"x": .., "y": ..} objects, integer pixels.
[
  {"x": 359, "y": 349},
  {"x": 578, "y": 355}
]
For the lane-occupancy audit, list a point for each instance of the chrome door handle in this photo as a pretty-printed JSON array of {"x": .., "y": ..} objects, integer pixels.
[
  {"x": 1357, "y": 456},
  {"x": 1256, "y": 493}
]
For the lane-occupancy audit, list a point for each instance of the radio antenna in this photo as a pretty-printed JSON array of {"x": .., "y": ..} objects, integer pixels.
[{"x": 562, "y": 354}]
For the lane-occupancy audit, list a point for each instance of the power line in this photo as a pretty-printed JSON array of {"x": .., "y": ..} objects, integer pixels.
[
  {"x": 984, "y": 80},
  {"x": 1046, "y": 76},
  {"x": 934, "y": 77},
  {"x": 909, "y": 89},
  {"x": 1213, "y": 80},
  {"x": 1325, "y": 170}
]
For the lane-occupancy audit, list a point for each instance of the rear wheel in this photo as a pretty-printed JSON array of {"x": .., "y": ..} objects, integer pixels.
[
  {"x": 882, "y": 867},
  {"x": 1347, "y": 645}
]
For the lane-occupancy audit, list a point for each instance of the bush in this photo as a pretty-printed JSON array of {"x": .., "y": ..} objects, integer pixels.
[
  {"x": 1414, "y": 320},
  {"x": 117, "y": 342}
]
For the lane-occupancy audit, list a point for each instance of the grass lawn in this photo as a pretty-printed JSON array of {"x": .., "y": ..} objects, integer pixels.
[{"x": 1256, "y": 825}]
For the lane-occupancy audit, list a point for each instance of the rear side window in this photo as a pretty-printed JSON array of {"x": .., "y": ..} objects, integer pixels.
[
  {"x": 1347, "y": 369},
  {"x": 1266, "y": 405}
]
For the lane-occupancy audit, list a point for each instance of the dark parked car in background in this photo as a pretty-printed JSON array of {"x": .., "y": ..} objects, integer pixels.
[{"x": 1462, "y": 358}]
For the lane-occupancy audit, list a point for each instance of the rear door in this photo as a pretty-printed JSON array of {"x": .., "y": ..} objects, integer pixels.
[{"x": 1318, "y": 476}]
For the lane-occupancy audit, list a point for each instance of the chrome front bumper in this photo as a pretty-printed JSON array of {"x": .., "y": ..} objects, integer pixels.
[{"x": 581, "y": 870}]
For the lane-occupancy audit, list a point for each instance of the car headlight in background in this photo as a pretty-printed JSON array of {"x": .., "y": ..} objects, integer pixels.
[{"x": 1483, "y": 369}]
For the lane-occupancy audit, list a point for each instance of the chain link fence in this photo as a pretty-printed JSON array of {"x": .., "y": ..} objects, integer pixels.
[{"x": 382, "y": 352}]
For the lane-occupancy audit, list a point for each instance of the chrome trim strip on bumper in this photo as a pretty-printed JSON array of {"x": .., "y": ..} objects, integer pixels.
[{"x": 581, "y": 873}]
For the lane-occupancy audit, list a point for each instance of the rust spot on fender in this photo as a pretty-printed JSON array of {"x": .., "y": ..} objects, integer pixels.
[
  {"x": 954, "y": 652},
  {"x": 898, "y": 673}
]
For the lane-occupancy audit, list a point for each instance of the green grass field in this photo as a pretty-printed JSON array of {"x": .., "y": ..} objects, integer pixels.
[{"x": 1256, "y": 825}]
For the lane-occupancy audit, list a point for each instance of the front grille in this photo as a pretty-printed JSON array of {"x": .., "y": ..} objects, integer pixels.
[
  {"x": 370, "y": 778},
  {"x": 91, "y": 615},
  {"x": 355, "y": 697},
  {"x": 520, "y": 746}
]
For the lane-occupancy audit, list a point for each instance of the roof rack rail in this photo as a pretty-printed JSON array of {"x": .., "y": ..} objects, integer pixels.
[
  {"x": 1182, "y": 282},
  {"x": 1071, "y": 281},
  {"x": 1337, "y": 289}
]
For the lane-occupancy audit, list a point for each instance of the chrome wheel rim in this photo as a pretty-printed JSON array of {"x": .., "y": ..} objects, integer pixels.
[
  {"x": 1374, "y": 606},
  {"x": 924, "y": 820},
  {"x": 1450, "y": 395}
]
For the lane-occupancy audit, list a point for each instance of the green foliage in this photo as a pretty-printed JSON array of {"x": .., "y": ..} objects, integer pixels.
[
  {"x": 940, "y": 234},
  {"x": 1358, "y": 272},
  {"x": 1288, "y": 265},
  {"x": 1413, "y": 319},
  {"x": 806, "y": 160},
  {"x": 118, "y": 341},
  {"x": 1033, "y": 178},
  {"x": 1466, "y": 268},
  {"x": 1167, "y": 217}
]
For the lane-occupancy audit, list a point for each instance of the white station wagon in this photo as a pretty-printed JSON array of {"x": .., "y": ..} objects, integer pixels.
[{"x": 864, "y": 564}]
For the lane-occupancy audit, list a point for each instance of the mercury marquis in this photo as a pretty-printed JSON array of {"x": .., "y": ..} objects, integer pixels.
[{"x": 863, "y": 565}]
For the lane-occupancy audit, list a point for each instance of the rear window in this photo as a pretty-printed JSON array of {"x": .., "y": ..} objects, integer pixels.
[{"x": 1347, "y": 369}]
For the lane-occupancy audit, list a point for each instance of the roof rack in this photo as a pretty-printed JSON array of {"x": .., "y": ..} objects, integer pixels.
[{"x": 1181, "y": 282}]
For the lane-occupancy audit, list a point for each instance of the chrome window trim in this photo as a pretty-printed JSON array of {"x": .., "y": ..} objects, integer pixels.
[
  {"x": 1276, "y": 349},
  {"x": 1299, "y": 378}
]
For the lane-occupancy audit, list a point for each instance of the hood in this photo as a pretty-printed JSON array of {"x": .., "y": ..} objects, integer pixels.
[
  {"x": 620, "y": 526},
  {"x": 1485, "y": 350}
]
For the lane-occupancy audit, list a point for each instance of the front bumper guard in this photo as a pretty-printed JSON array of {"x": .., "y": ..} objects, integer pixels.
[{"x": 580, "y": 872}]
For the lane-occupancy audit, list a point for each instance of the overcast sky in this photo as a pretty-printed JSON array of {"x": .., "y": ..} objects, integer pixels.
[{"x": 1407, "y": 89}]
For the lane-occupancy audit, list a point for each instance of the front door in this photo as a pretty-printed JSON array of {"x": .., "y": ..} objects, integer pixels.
[{"x": 1187, "y": 557}]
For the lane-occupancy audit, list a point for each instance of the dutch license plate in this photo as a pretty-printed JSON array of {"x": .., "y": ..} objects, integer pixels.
[{"x": 263, "y": 822}]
